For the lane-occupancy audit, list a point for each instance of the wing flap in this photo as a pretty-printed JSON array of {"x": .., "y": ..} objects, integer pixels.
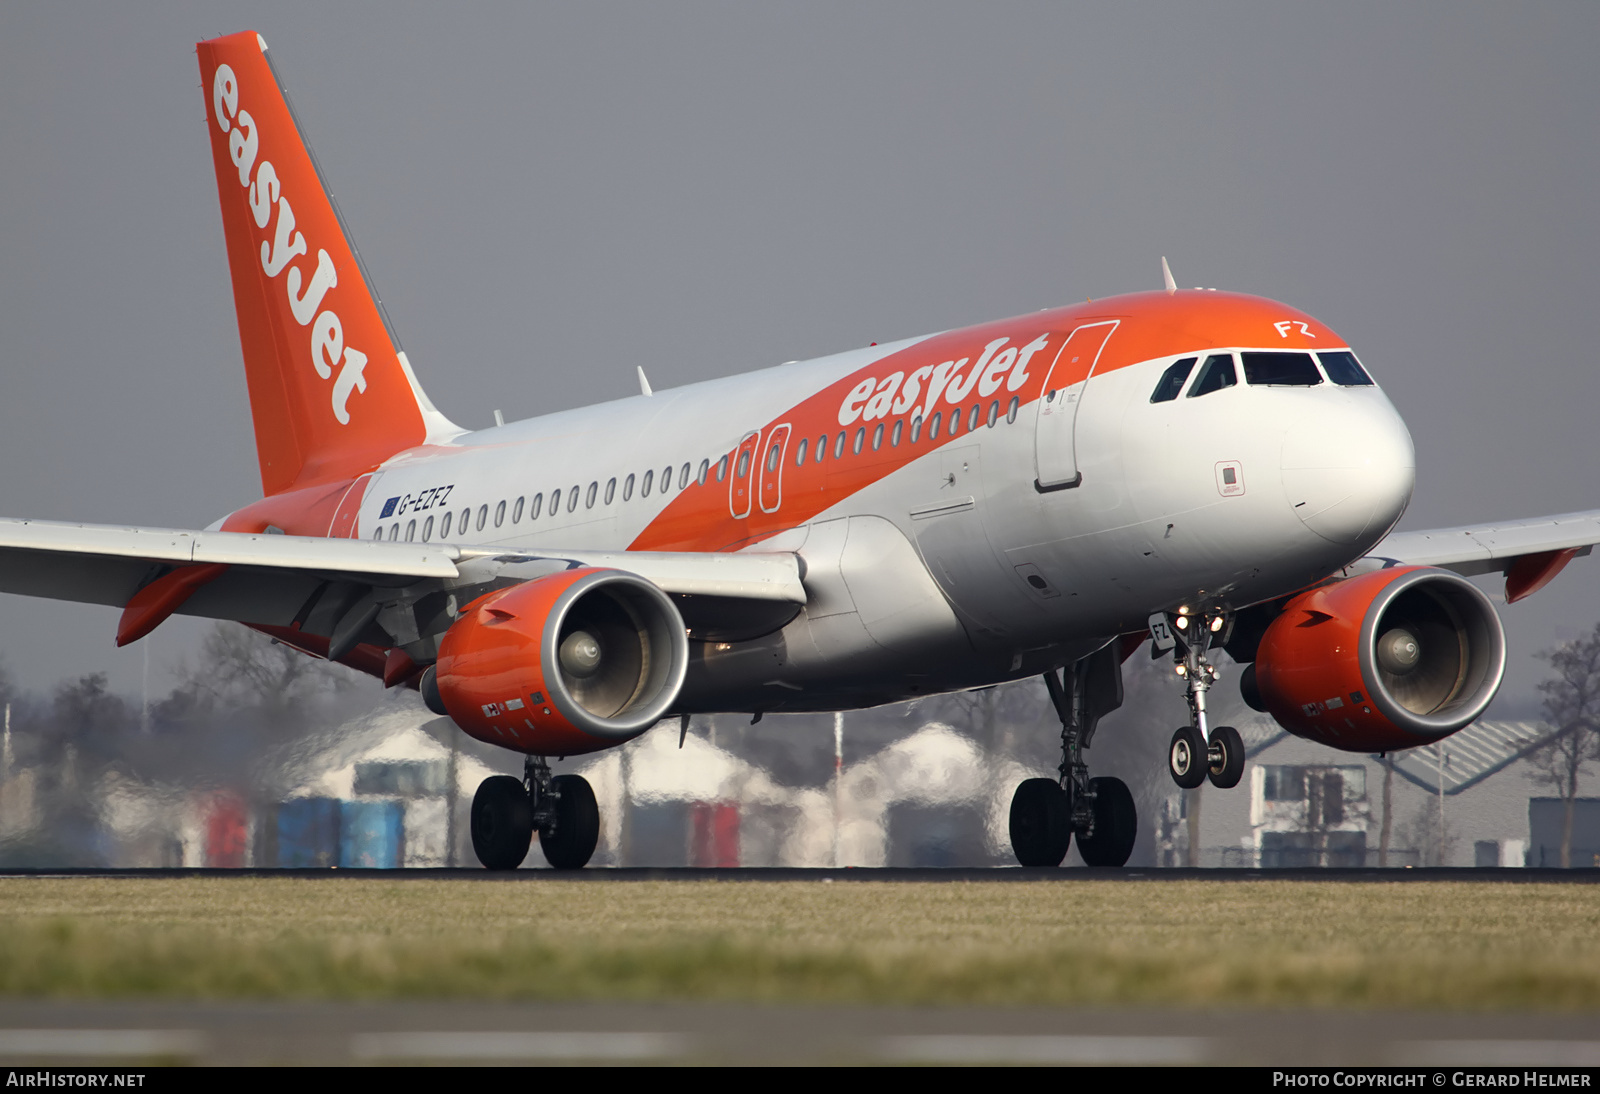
[
  {"x": 272, "y": 580},
  {"x": 744, "y": 575}
]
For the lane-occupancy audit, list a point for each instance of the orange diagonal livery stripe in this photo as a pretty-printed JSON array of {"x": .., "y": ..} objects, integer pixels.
[{"x": 891, "y": 405}]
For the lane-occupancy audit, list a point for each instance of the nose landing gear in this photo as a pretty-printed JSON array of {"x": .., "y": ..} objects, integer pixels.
[
  {"x": 1047, "y": 813},
  {"x": 1198, "y": 751},
  {"x": 507, "y": 811}
]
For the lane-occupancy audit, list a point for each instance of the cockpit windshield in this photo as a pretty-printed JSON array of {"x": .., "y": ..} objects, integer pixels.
[
  {"x": 1172, "y": 380},
  {"x": 1344, "y": 369},
  {"x": 1280, "y": 370},
  {"x": 1216, "y": 374}
]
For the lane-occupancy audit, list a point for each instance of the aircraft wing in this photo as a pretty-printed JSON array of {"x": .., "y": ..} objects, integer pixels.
[
  {"x": 1529, "y": 552},
  {"x": 277, "y": 580}
]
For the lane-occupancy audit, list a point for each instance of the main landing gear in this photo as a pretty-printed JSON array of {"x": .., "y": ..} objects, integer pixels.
[
  {"x": 506, "y": 811},
  {"x": 1199, "y": 752},
  {"x": 1046, "y": 813}
]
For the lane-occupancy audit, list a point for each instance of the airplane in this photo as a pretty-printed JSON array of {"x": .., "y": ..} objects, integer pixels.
[{"x": 1037, "y": 496}]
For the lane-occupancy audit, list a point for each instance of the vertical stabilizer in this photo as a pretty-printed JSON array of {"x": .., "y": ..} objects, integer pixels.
[{"x": 331, "y": 392}]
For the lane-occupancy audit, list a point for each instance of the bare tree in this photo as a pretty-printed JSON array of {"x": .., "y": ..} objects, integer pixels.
[
  {"x": 242, "y": 668},
  {"x": 1572, "y": 704}
]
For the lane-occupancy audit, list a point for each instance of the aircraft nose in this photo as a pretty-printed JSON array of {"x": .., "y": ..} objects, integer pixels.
[{"x": 1348, "y": 471}]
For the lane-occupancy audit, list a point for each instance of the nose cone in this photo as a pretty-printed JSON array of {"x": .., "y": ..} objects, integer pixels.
[{"x": 1348, "y": 470}]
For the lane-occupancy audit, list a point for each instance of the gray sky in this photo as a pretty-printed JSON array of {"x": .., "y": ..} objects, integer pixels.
[{"x": 547, "y": 196}]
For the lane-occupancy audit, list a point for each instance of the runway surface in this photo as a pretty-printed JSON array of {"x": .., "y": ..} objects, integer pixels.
[
  {"x": 35, "y": 1033},
  {"x": 1588, "y": 876}
]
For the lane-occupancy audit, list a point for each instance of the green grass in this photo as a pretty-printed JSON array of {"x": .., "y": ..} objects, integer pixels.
[{"x": 1248, "y": 944}]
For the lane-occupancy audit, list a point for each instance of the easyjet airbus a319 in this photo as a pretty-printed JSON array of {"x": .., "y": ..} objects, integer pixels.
[{"x": 1036, "y": 496}]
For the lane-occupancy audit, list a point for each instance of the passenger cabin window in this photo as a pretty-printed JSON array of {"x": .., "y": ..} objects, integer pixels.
[
  {"x": 588, "y": 502},
  {"x": 916, "y": 429},
  {"x": 1171, "y": 383},
  {"x": 572, "y": 500},
  {"x": 611, "y": 490},
  {"x": 1216, "y": 374},
  {"x": 800, "y": 453},
  {"x": 774, "y": 454},
  {"x": 822, "y": 447},
  {"x": 534, "y": 506},
  {"x": 972, "y": 417},
  {"x": 1011, "y": 411},
  {"x": 627, "y": 488},
  {"x": 894, "y": 437},
  {"x": 838, "y": 445},
  {"x": 877, "y": 437},
  {"x": 933, "y": 426},
  {"x": 861, "y": 437},
  {"x": 705, "y": 469},
  {"x": 666, "y": 478},
  {"x": 516, "y": 512},
  {"x": 683, "y": 477},
  {"x": 411, "y": 530},
  {"x": 722, "y": 469},
  {"x": 644, "y": 487},
  {"x": 1344, "y": 370},
  {"x": 744, "y": 465},
  {"x": 466, "y": 521},
  {"x": 483, "y": 516},
  {"x": 427, "y": 530},
  {"x": 1280, "y": 370},
  {"x": 444, "y": 527},
  {"x": 500, "y": 514}
]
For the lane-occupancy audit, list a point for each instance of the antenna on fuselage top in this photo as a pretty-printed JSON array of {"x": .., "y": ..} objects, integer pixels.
[
  {"x": 644, "y": 384},
  {"x": 1166, "y": 277}
]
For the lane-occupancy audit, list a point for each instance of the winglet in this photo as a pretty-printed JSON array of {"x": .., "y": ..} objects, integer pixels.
[
  {"x": 644, "y": 383},
  {"x": 1166, "y": 277}
]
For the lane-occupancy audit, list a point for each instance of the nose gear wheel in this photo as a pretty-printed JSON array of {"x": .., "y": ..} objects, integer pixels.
[
  {"x": 1186, "y": 757},
  {"x": 1226, "y": 757}
]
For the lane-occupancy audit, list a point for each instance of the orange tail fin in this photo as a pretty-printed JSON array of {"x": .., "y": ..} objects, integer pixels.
[{"x": 331, "y": 391}]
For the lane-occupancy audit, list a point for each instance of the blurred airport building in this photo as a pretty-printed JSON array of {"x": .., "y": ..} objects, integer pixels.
[
  {"x": 921, "y": 785},
  {"x": 1470, "y": 800}
]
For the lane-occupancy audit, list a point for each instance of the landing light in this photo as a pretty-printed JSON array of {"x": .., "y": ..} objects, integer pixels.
[
  {"x": 1183, "y": 670},
  {"x": 1183, "y": 623},
  {"x": 1216, "y": 624}
]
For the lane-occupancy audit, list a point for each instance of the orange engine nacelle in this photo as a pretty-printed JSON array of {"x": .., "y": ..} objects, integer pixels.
[
  {"x": 1387, "y": 660},
  {"x": 562, "y": 665}
]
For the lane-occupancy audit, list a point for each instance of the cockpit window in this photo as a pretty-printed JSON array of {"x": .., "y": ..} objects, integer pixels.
[
  {"x": 1280, "y": 370},
  {"x": 1216, "y": 374},
  {"x": 1172, "y": 380},
  {"x": 1345, "y": 370}
]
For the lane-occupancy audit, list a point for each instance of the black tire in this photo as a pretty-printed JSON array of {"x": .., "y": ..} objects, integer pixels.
[
  {"x": 1116, "y": 824},
  {"x": 1186, "y": 758},
  {"x": 502, "y": 823},
  {"x": 1041, "y": 823},
  {"x": 577, "y": 824},
  {"x": 1228, "y": 769}
]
